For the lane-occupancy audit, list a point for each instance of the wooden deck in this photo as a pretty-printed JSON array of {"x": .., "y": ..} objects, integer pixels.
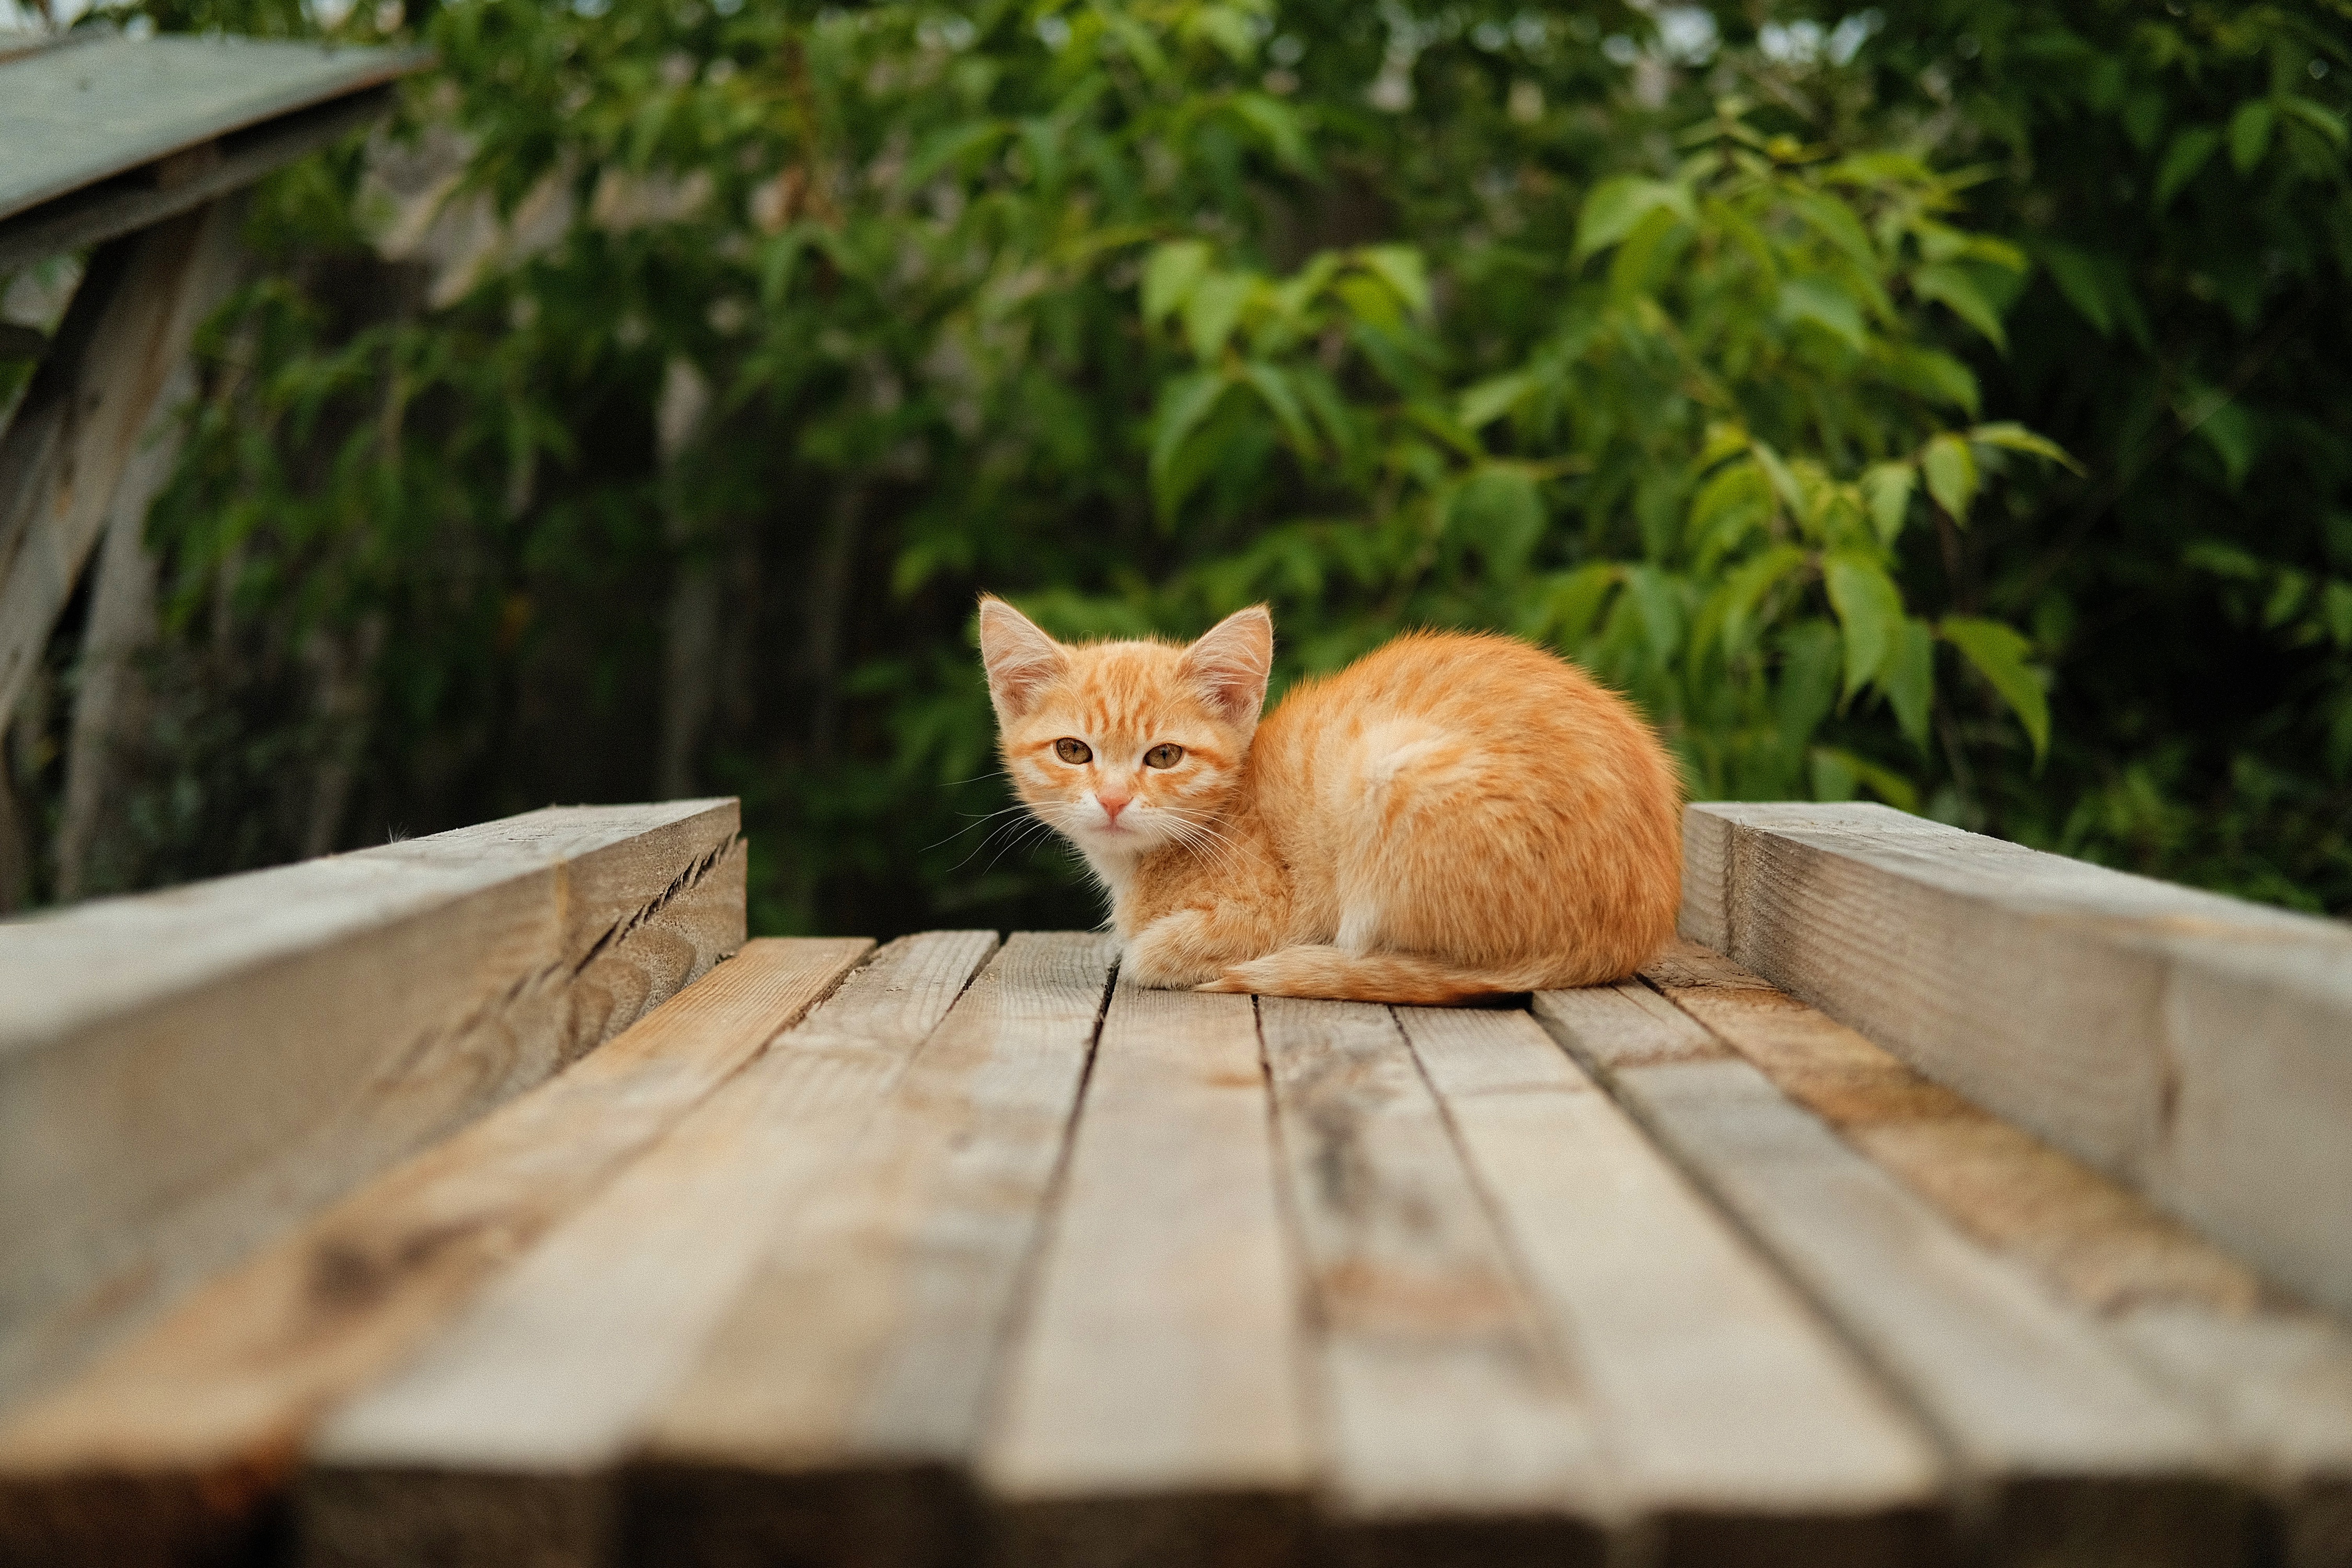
[{"x": 961, "y": 1250}]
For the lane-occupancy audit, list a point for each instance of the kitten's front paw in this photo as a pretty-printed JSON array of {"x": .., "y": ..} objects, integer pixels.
[{"x": 1171, "y": 954}]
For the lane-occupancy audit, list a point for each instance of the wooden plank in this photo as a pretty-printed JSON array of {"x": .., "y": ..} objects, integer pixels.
[
  {"x": 1454, "y": 1427},
  {"x": 169, "y": 1448},
  {"x": 2190, "y": 1046},
  {"x": 186, "y": 1073},
  {"x": 510, "y": 1429},
  {"x": 2275, "y": 1380},
  {"x": 2063, "y": 1443},
  {"x": 1741, "y": 1428},
  {"x": 834, "y": 1417},
  {"x": 79, "y": 427},
  {"x": 1154, "y": 1404},
  {"x": 71, "y": 117}
]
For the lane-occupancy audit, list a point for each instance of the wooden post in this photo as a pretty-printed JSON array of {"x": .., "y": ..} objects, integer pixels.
[{"x": 79, "y": 428}]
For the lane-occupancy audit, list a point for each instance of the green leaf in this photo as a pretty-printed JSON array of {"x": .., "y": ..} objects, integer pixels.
[
  {"x": 1489, "y": 400},
  {"x": 1273, "y": 386},
  {"x": 2018, "y": 439},
  {"x": 1784, "y": 483},
  {"x": 1820, "y": 301},
  {"x": 1734, "y": 604},
  {"x": 1278, "y": 123},
  {"x": 1933, "y": 374},
  {"x": 2319, "y": 116},
  {"x": 1951, "y": 471},
  {"x": 1998, "y": 652},
  {"x": 1402, "y": 268},
  {"x": 1661, "y": 607},
  {"x": 1169, "y": 277},
  {"x": 1575, "y": 602},
  {"x": 1497, "y": 513},
  {"x": 1837, "y": 223},
  {"x": 1215, "y": 306},
  {"x": 1908, "y": 679},
  {"x": 2336, "y": 608},
  {"x": 2079, "y": 280},
  {"x": 2231, "y": 432},
  {"x": 2190, "y": 150},
  {"x": 1951, "y": 284},
  {"x": 1615, "y": 206},
  {"x": 2250, "y": 134},
  {"x": 1886, "y": 489},
  {"x": 1836, "y": 772},
  {"x": 1184, "y": 403},
  {"x": 1869, "y": 608}
]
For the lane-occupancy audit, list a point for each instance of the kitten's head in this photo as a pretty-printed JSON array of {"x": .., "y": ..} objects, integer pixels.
[{"x": 1125, "y": 746}]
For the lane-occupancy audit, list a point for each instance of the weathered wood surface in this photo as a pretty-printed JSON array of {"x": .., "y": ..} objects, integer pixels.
[
  {"x": 169, "y": 1448},
  {"x": 505, "y": 1438},
  {"x": 1154, "y": 1404},
  {"x": 75, "y": 115},
  {"x": 185, "y": 1074},
  {"x": 2274, "y": 1379},
  {"x": 2196, "y": 1048},
  {"x": 1740, "y": 1429},
  {"x": 834, "y": 1417},
  {"x": 1032, "y": 1270},
  {"x": 1454, "y": 1427},
  {"x": 2063, "y": 1442},
  {"x": 78, "y": 427}
]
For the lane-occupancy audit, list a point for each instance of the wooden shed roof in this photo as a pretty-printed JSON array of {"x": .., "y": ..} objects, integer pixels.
[{"x": 90, "y": 127}]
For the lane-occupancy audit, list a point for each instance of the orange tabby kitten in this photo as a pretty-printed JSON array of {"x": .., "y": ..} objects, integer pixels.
[{"x": 1447, "y": 817}]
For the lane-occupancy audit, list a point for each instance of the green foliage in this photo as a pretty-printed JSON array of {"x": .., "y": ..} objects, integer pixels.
[{"x": 1829, "y": 400}]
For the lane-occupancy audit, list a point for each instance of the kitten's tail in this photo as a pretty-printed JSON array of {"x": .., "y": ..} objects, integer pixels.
[{"x": 1337, "y": 975}]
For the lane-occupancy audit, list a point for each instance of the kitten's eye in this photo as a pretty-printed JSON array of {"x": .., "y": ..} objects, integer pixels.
[
  {"x": 1071, "y": 751},
  {"x": 1163, "y": 756}
]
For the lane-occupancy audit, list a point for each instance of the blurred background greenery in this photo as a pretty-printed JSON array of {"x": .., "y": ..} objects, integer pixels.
[{"x": 1947, "y": 403}]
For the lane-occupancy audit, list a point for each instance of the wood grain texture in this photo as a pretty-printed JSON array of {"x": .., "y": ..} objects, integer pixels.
[
  {"x": 1741, "y": 1428},
  {"x": 1154, "y": 1401},
  {"x": 2188, "y": 1045},
  {"x": 2065, "y": 1448},
  {"x": 516, "y": 1418},
  {"x": 2274, "y": 1379},
  {"x": 168, "y": 1448},
  {"x": 185, "y": 1074},
  {"x": 834, "y": 1415},
  {"x": 1454, "y": 1426}
]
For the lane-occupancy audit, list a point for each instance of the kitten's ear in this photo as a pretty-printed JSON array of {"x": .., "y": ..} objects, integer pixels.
[
  {"x": 1021, "y": 660},
  {"x": 1230, "y": 663}
]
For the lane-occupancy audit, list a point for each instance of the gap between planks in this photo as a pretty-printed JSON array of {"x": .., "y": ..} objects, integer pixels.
[
  {"x": 170, "y": 1448},
  {"x": 513, "y": 1430}
]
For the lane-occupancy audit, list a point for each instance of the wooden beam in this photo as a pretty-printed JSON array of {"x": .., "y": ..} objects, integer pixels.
[
  {"x": 2190, "y": 1046},
  {"x": 1153, "y": 1410},
  {"x": 171, "y": 1448},
  {"x": 129, "y": 202},
  {"x": 835, "y": 1416},
  {"x": 1454, "y": 1426},
  {"x": 1740, "y": 1429},
  {"x": 2276, "y": 1379},
  {"x": 2063, "y": 1443},
  {"x": 78, "y": 429},
  {"x": 510, "y": 1429},
  {"x": 187, "y": 1073}
]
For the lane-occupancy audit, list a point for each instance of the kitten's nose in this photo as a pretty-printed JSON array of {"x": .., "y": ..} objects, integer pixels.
[{"x": 1113, "y": 805}]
